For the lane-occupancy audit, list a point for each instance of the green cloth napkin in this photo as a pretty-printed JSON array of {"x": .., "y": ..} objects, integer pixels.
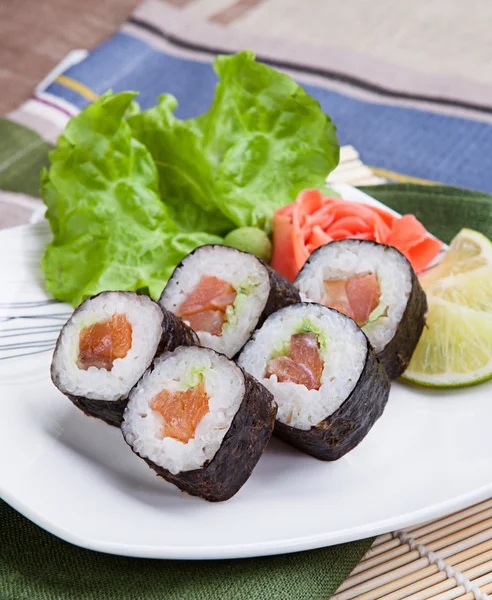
[{"x": 443, "y": 209}]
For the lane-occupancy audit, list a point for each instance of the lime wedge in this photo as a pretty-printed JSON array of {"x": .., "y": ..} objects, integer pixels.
[{"x": 455, "y": 348}]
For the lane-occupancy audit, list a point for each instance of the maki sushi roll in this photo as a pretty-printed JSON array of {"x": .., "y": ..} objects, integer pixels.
[
  {"x": 224, "y": 295},
  {"x": 375, "y": 285},
  {"x": 199, "y": 421},
  {"x": 328, "y": 383},
  {"x": 106, "y": 346}
]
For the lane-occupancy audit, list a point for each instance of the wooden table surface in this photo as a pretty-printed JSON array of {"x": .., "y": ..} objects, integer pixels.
[{"x": 36, "y": 34}]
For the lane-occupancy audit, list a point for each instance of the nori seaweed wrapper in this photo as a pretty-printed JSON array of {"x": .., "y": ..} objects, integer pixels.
[
  {"x": 342, "y": 431},
  {"x": 396, "y": 355},
  {"x": 241, "y": 448},
  {"x": 174, "y": 333},
  {"x": 282, "y": 293}
]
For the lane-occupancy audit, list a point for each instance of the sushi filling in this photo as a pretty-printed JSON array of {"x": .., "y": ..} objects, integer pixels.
[
  {"x": 205, "y": 308},
  {"x": 303, "y": 363},
  {"x": 357, "y": 297},
  {"x": 102, "y": 343},
  {"x": 181, "y": 409},
  {"x": 322, "y": 354}
]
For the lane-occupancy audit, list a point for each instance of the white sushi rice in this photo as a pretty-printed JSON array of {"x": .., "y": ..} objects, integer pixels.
[
  {"x": 145, "y": 317},
  {"x": 224, "y": 384},
  {"x": 348, "y": 258},
  {"x": 344, "y": 358},
  {"x": 241, "y": 271}
]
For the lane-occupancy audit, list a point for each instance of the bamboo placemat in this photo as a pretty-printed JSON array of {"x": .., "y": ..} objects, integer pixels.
[{"x": 445, "y": 559}]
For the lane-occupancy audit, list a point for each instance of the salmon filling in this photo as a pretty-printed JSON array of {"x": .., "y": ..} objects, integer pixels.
[
  {"x": 206, "y": 306},
  {"x": 102, "y": 343},
  {"x": 355, "y": 297},
  {"x": 181, "y": 411},
  {"x": 303, "y": 364}
]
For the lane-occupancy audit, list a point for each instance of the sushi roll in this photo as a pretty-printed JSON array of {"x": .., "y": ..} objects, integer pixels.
[
  {"x": 199, "y": 421},
  {"x": 106, "y": 346},
  {"x": 328, "y": 383},
  {"x": 224, "y": 295},
  {"x": 375, "y": 285}
]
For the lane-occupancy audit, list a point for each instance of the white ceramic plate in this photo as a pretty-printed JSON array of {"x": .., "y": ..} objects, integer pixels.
[{"x": 429, "y": 454}]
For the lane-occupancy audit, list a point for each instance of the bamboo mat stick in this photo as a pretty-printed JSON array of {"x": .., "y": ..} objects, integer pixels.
[
  {"x": 387, "y": 542},
  {"x": 486, "y": 589},
  {"x": 477, "y": 555},
  {"x": 413, "y": 587},
  {"x": 458, "y": 554},
  {"x": 449, "y": 544},
  {"x": 478, "y": 519},
  {"x": 477, "y": 572},
  {"x": 381, "y": 553},
  {"x": 459, "y": 591},
  {"x": 390, "y": 581},
  {"x": 465, "y": 544},
  {"x": 435, "y": 586},
  {"x": 475, "y": 550},
  {"x": 475, "y": 561},
  {"x": 461, "y": 535},
  {"x": 414, "y": 593},
  {"x": 373, "y": 561},
  {"x": 395, "y": 587},
  {"x": 425, "y": 528},
  {"x": 391, "y": 566},
  {"x": 386, "y": 537}
]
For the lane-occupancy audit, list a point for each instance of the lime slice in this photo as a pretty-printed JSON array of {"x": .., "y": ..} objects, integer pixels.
[
  {"x": 455, "y": 348},
  {"x": 469, "y": 250}
]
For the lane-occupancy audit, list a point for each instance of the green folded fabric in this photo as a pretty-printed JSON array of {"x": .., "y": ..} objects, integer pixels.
[
  {"x": 23, "y": 153},
  {"x": 443, "y": 209}
]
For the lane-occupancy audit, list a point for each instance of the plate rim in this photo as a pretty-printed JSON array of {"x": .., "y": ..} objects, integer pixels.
[{"x": 252, "y": 550}]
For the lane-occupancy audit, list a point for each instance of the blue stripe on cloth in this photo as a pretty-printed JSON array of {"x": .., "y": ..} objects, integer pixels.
[{"x": 422, "y": 144}]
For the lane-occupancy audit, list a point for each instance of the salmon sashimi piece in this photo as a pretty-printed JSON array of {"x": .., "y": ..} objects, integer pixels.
[
  {"x": 181, "y": 411},
  {"x": 287, "y": 369},
  {"x": 363, "y": 294},
  {"x": 211, "y": 293},
  {"x": 355, "y": 297},
  {"x": 208, "y": 320},
  {"x": 304, "y": 350},
  {"x": 335, "y": 296},
  {"x": 102, "y": 343},
  {"x": 205, "y": 308}
]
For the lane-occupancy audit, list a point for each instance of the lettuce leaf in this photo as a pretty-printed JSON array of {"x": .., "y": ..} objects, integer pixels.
[
  {"x": 261, "y": 142},
  {"x": 130, "y": 193},
  {"x": 111, "y": 230}
]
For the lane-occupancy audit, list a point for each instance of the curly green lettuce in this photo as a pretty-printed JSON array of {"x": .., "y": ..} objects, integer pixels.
[
  {"x": 111, "y": 230},
  {"x": 130, "y": 193},
  {"x": 263, "y": 140}
]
